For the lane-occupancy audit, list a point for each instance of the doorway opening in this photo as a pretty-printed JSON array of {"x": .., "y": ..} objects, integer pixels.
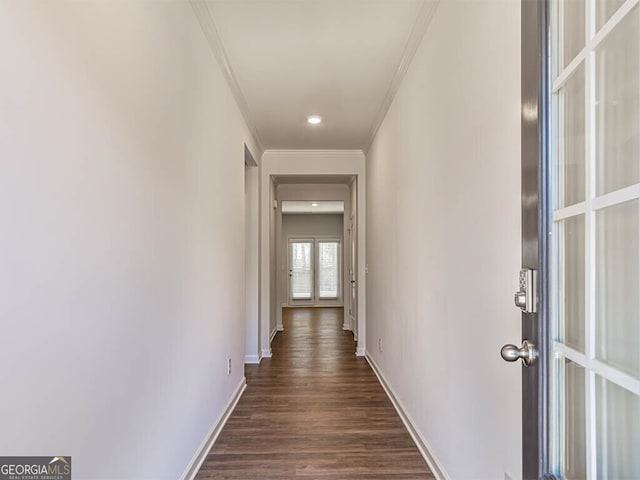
[
  {"x": 285, "y": 178},
  {"x": 314, "y": 256}
]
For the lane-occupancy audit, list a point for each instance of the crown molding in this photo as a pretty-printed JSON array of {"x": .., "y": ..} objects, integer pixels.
[
  {"x": 203, "y": 14},
  {"x": 420, "y": 26}
]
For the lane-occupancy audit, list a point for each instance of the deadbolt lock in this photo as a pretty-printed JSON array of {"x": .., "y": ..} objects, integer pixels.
[{"x": 526, "y": 298}]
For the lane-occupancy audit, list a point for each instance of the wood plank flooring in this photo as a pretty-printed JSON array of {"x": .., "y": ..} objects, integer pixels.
[{"x": 314, "y": 411}]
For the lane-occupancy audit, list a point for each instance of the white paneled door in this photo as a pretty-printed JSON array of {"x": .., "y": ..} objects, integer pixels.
[{"x": 594, "y": 382}]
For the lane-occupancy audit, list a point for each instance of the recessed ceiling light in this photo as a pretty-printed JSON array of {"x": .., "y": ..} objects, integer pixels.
[
  {"x": 314, "y": 204},
  {"x": 314, "y": 119}
]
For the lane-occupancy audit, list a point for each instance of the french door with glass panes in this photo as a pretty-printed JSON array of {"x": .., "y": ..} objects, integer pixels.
[
  {"x": 301, "y": 272},
  {"x": 594, "y": 370},
  {"x": 314, "y": 271}
]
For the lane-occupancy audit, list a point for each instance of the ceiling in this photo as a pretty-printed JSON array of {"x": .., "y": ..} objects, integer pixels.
[
  {"x": 340, "y": 59},
  {"x": 297, "y": 207}
]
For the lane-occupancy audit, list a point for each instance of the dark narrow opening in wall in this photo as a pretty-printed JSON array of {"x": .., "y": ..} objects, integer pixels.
[{"x": 249, "y": 159}]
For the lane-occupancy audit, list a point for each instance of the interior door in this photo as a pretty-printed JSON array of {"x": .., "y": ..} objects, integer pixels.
[
  {"x": 580, "y": 232},
  {"x": 301, "y": 272}
]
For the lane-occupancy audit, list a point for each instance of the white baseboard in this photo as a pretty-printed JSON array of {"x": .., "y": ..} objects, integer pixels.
[
  {"x": 273, "y": 334},
  {"x": 346, "y": 327},
  {"x": 252, "y": 359},
  {"x": 201, "y": 454},
  {"x": 266, "y": 353},
  {"x": 280, "y": 328},
  {"x": 360, "y": 352},
  {"x": 423, "y": 446}
]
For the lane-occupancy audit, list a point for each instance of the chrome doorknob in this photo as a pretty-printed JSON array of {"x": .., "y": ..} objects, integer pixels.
[{"x": 528, "y": 353}]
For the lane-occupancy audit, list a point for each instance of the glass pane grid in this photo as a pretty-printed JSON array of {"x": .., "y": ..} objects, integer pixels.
[
  {"x": 602, "y": 369},
  {"x": 608, "y": 65},
  {"x": 621, "y": 379}
]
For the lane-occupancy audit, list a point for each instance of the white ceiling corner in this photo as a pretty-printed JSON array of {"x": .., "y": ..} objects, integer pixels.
[{"x": 341, "y": 59}]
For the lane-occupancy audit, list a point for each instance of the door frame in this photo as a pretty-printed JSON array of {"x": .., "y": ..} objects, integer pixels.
[
  {"x": 353, "y": 279},
  {"x": 535, "y": 233}
]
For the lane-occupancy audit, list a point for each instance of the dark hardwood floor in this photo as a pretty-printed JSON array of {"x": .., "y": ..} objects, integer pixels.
[{"x": 314, "y": 411}]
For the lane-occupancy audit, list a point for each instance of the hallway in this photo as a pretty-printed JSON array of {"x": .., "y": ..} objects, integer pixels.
[
  {"x": 314, "y": 410},
  {"x": 160, "y": 157}
]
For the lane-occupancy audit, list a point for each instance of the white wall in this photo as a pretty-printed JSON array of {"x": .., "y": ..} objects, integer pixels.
[
  {"x": 312, "y": 225},
  {"x": 306, "y": 226},
  {"x": 443, "y": 239},
  {"x": 121, "y": 212}
]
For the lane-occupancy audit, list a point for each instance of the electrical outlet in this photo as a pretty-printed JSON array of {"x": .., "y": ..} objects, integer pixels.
[
  {"x": 380, "y": 345},
  {"x": 228, "y": 366}
]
